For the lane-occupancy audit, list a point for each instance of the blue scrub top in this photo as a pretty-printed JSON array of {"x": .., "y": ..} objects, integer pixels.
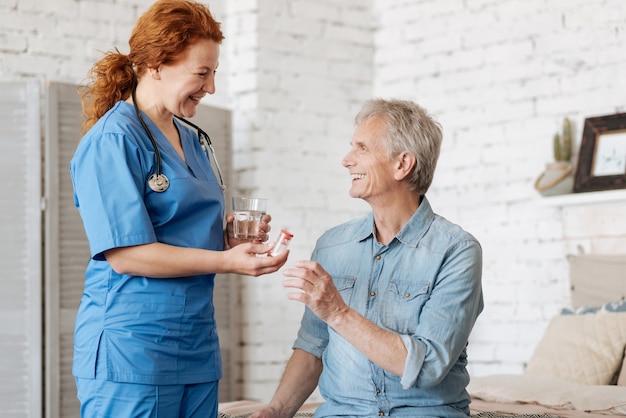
[{"x": 146, "y": 330}]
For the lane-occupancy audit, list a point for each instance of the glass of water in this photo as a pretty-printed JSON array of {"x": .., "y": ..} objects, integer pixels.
[{"x": 248, "y": 212}]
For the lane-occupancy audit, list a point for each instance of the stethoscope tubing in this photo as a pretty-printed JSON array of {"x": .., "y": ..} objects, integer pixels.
[
  {"x": 158, "y": 181},
  {"x": 207, "y": 146}
]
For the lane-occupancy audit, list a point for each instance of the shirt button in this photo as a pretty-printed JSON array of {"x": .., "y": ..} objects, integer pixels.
[
  {"x": 381, "y": 414},
  {"x": 377, "y": 391},
  {"x": 377, "y": 257},
  {"x": 407, "y": 295},
  {"x": 372, "y": 293}
]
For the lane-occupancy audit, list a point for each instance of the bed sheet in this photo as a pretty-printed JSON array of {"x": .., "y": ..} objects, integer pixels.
[
  {"x": 479, "y": 408},
  {"x": 478, "y": 405}
]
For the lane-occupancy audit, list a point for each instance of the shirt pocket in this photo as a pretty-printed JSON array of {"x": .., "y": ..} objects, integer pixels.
[
  {"x": 403, "y": 304},
  {"x": 345, "y": 286}
]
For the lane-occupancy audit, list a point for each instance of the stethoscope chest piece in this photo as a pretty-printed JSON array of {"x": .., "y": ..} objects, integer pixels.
[{"x": 158, "y": 182}]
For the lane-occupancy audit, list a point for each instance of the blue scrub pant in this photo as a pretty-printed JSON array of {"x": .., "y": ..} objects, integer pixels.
[{"x": 105, "y": 399}]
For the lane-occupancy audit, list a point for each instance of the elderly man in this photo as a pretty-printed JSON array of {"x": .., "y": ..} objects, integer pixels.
[{"x": 390, "y": 298}]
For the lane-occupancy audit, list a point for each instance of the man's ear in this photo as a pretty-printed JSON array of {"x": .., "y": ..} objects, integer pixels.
[{"x": 404, "y": 165}]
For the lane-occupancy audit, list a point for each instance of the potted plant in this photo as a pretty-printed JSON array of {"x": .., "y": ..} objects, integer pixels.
[{"x": 557, "y": 177}]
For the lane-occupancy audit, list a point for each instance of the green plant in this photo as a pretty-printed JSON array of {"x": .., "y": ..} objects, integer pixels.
[{"x": 562, "y": 143}]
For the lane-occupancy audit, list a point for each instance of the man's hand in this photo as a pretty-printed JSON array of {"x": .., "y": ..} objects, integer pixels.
[
  {"x": 267, "y": 412},
  {"x": 318, "y": 291}
]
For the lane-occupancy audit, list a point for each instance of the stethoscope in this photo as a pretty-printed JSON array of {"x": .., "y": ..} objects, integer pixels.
[{"x": 158, "y": 181}]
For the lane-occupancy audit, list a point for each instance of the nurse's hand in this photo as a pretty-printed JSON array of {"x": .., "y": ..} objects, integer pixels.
[
  {"x": 253, "y": 259},
  {"x": 262, "y": 233}
]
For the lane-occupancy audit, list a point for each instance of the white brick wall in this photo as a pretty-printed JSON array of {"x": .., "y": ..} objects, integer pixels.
[
  {"x": 60, "y": 39},
  {"x": 499, "y": 76},
  {"x": 306, "y": 72}
]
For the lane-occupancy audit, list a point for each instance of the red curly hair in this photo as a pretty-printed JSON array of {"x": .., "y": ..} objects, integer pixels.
[{"x": 160, "y": 35}]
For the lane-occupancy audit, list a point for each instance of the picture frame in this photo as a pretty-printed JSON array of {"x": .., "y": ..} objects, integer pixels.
[{"x": 602, "y": 157}]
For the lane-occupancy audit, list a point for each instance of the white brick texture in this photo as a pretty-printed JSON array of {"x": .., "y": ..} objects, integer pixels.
[{"x": 499, "y": 75}]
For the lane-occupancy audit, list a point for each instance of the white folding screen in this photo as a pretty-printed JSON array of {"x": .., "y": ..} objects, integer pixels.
[
  {"x": 44, "y": 250},
  {"x": 66, "y": 248},
  {"x": 20, "y": 251}
]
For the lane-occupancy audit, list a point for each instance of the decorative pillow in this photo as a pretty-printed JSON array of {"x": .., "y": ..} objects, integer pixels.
[
  {"x": 586, "y": 349},
  {"x": 614, "y": 307},
  {"x": 549, "y": 392},
  {"x": 621, "y": 378}
]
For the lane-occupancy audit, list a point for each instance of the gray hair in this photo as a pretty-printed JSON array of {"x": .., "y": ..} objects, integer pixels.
[{"x": 409, "y": 128}]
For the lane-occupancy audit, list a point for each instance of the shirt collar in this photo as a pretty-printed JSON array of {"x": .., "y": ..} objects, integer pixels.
[{"x": 411, "y": 233}]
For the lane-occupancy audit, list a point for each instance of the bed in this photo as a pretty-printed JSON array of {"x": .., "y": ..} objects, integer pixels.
[{"x": 577, "y": 369}]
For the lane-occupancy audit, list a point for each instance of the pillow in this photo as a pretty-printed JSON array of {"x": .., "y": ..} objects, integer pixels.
[
  {"x": 621, "y": 377},
  {"x": 615, "y": 307},
  {"x": 586, "y": 349},
  {"x": 549, "y": 392},
  {"x": 597, "y": 279}
]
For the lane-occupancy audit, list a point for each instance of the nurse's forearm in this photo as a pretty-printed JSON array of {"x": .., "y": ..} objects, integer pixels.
[
  {"x": 161, "y": 260},
  {"x": 167, "y": 261}
]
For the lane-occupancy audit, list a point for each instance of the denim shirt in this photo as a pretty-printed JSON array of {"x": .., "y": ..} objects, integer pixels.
[{"x": 425, "y": 286}]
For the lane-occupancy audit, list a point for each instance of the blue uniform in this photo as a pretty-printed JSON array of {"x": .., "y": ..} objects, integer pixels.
[{"x": 141, "y": 329}]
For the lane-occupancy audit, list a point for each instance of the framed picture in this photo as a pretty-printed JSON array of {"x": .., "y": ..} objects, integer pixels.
[{"x": 602, "y": 157}]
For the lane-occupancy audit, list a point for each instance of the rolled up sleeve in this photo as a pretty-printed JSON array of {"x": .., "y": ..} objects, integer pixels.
[
  {"x": 414, "y": 361},
  {"x": 447, "y": 318}
]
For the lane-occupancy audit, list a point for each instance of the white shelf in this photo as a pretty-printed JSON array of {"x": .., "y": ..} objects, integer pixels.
[{"x": 573, "y": 199}]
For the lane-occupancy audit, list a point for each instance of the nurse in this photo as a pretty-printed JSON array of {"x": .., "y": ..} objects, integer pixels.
[{"x": 146, "y": 343}]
